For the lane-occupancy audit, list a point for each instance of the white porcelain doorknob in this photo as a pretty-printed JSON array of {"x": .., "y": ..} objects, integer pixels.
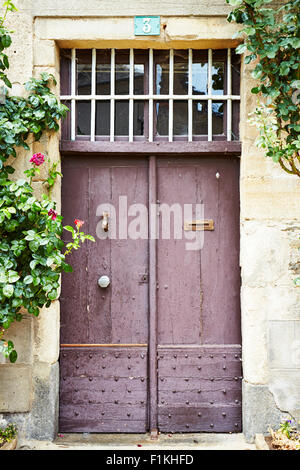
[{"x": 103, "y": 281}]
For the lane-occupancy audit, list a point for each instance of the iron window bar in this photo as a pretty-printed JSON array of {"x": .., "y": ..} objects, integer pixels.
[{"x": 227, "y": 97}]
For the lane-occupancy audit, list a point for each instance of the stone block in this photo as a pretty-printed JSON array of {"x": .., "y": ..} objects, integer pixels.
[
  {"x": 43, "y": 421},
  {"x": 265, "y": 251},
  {"x": 20, "y": 53},
  {"x": 259, "y": 411},
  {"x": 254, "y": 163},
  {"x": 282, "y": 303},
  {"x": 176, "y": 31},
  {"x": 44, "y": 53},
  {"x": 46, "y": 348},
  {"x": 254, "y": 335},
  {"x": 136, "y": 7},
  {"x": 283, "y": 339},
  {"x": 15, "y": 388},
  {"x": 270, "y": 198},
  {"x": 285, "y": 385},
  {"x": 21, "y": 334}
]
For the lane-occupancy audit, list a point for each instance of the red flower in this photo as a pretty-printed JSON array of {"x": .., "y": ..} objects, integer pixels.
[
  {"x": 37, "y": 159},
  {"x": 53, "y": 214},
  {"x": 79, "y": 223}
]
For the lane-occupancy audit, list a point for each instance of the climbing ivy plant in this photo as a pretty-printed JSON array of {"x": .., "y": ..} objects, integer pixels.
[
  {"x": 32, "y": 253},
  {"x": 271, "y": 41}
]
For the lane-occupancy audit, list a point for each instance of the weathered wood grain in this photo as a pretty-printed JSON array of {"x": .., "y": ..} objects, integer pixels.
[{"x": 200, "y": 419}]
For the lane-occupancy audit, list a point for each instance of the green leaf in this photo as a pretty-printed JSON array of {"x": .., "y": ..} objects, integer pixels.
[
  {"x": 33, "y": 263},
  {"x": 234, "y": 3},
  {"x": 90, "y": 237},
  {"x": 67, "y": 268},
  {"x": 6, "y": 40},
  {"x": 13, "y": 276},
  {"x": 28, "y": 279},
  {"x": 34, "y": 245},
  {"x": 3, "y": 276},
  {"x": 52, "y": 295},
  {"x": 271, "y": 51},
  {"x": 69, "y": 228},
  {"x": 8, "y": 290},
  {"x": 241, "y": 49},
  {"x": 295, "y": 84},
  {"x": 255, "y": 90},
  {"x": 13, "y": 356}
]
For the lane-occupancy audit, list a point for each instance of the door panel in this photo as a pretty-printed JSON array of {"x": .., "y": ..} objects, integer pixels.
[
  {"x": 103, "y": 389},
  {"x": 104, "y": 358},
  {"x": 178, "y": 270},
  {"x": 199, "y": 353},
  {"x": 104, "y": 332}
]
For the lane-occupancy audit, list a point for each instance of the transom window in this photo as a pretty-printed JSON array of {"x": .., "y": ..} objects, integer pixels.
[{"x": 134, "y": 95}]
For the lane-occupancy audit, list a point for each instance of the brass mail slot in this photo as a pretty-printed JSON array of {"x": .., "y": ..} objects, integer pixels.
[{"x": 199, "y": 225}]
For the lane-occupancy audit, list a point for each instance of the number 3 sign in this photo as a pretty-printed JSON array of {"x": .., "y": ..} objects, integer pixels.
[{"x": 147, "y": 25}]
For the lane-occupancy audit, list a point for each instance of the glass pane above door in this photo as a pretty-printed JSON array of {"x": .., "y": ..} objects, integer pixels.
[{"x": 130, "y": 94}]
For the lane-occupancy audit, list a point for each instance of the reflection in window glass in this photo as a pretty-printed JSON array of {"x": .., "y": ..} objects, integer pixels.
[
  {"x": 122, "y": 118},
  {"x": 84, "y": 71},
  {"x": 102, "y": 117},
  {"x": 162, "y": 117},
  {"x": 66, "y": 128},
  {"x": 161, "y": 59},
  {"x": 139, "y": 79},
  {"x": 138, "y": 118},
  {"x": 122, "y": 73},
  {"x": 200, "y": 123},
  {"x": 103, "y": 79},
  {"x": 235, "y": 134},
  {"x": 217, "y": 118},
  {"x": 65, "y": 68},
  {"x": 103, "y": 72},
  {"x": 122, "y": 79},
  {"x": 199, "y": 78},
  {"x": 83, "y": 117},
  {"x": 180, "y": 118},
  {"x": 181, "y": 73},
  {"x": 218, "y": 78}
]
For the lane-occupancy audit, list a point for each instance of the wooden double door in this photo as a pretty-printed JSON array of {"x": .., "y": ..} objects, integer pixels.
[{"x": 159, "y": 348}]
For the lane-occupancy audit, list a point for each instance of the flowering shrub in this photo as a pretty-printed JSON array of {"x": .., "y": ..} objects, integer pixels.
[
  {"x": 32, "y": 253},
  {"x": 37, "y": 159}
]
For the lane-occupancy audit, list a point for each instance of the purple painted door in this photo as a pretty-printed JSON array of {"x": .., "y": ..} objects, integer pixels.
[
  {"x": 199, "y": 353},
  {"x": 194, "y": 320},
  {"x": 104, "y": 331}
]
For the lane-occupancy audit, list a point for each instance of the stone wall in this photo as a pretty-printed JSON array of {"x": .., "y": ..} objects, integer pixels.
[{"x": 269, "y": 214}]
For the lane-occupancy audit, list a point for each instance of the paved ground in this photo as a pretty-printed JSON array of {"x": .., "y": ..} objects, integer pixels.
[{"x": 87, "y": 441}]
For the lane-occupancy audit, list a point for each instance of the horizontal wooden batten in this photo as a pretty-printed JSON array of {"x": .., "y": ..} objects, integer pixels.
[{"x": 232, "y": 148}]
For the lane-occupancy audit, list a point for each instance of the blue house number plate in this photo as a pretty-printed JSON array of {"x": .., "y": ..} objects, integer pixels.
[{"x": 147, "y": 25}]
